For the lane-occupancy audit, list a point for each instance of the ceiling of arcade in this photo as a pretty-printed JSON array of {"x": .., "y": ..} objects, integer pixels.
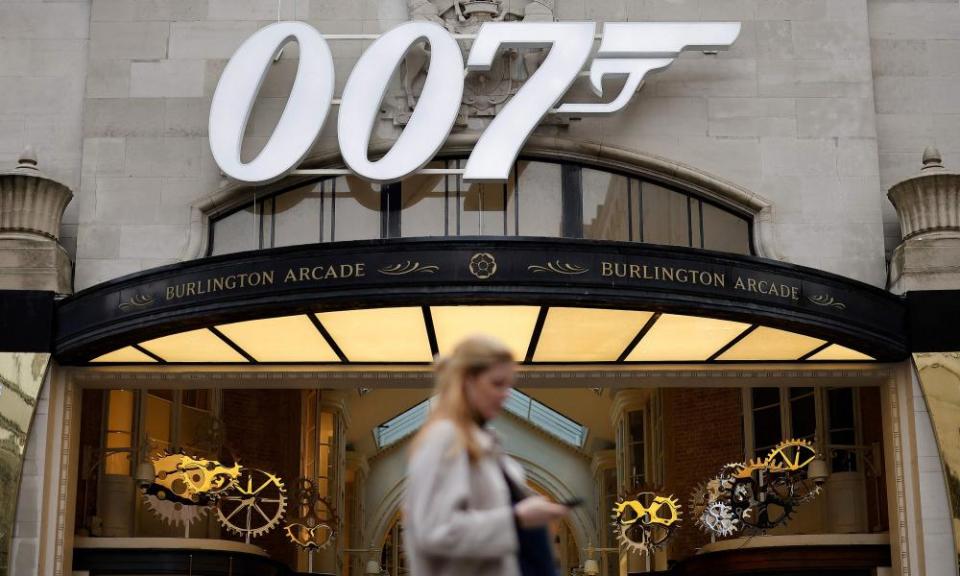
[{"x": 548, "y": 335}]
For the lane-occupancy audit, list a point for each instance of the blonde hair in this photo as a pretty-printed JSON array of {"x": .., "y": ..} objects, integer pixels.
[{"x": 470, "y": 357}]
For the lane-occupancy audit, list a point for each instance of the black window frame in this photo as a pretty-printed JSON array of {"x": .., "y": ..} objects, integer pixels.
[{"x": 571, "y": 197}]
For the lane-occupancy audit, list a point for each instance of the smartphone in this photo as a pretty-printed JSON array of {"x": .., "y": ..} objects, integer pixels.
[{"x": 572, "y": 502}]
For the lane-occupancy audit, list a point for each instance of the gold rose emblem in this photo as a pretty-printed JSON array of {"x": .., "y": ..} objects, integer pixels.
[{"x": 483, "y": 265}]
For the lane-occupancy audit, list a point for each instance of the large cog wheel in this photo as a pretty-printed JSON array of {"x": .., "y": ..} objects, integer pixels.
[
  {"x": 174, "y": 513},
  {"x": 254, "y": 506},
  {"x": 645, "y": 522},
  {"x": 315, "y": 526},
  {"x": 720, "y": 519}
]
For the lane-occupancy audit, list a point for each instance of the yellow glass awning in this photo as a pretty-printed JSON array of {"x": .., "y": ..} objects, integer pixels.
[{"x": 543, "y": 335}]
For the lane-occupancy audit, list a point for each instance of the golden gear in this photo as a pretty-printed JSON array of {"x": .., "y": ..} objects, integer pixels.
[
  {"x": 315, "y": 526},
  {"x": 747, "y": 470},
  {"x": 191, "y": 479},
  {"x": 705, "y": 495},
  {"x": 645, "y": 522},
  {"x": 254, "y": 506},
  {"x": 792, "y": 455},
  {"x": 174, "y": 513}
]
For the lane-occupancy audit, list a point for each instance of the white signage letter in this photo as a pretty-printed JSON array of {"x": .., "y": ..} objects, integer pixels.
[
  {"x": 570, "y": 45},
  {"x": 633, "y": 49},
  {"x": 432, "y": 119},
  {"x": 302, "y": 118}
]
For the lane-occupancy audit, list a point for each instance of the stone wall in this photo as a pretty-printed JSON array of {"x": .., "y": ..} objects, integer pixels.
[
  {"x": 702, "y": 432},
  {"x": 915, "y": 47},
  {"x": 788, "y": 113},
  {"x": 42, "y": 75}
]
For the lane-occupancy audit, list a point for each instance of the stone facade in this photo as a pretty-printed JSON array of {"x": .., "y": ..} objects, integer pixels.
[
  {"x": 819, "y": 108},
  {"x": 788, "y": 114}
]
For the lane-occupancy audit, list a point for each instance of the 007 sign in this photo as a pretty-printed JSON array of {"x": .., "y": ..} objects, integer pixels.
[{"x": 627, "y": 49}]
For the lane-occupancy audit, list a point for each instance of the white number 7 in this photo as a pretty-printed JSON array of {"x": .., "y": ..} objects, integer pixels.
[{"x": 570, "y": 45}]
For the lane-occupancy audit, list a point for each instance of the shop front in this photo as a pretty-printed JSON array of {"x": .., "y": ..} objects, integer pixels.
[{"x": 269, "y": 260}]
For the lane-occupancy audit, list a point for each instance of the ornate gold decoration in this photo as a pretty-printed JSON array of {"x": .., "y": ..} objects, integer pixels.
[
  {"x": 190, "y": 480},
  {"x": 558, "y": 267},
  {"x": 757, "y": 495},
  {"x": 827, "y": 300},
  {"x": 483, "y": 265},
  {"x": 407, "y": 267},
  {"x": 315, "y": 526},
  {"x": 791, "y": 455},
  {"x": 254, "y": 506},
  {"x": 175, "y": 513},
  {"x": 136, "y": 301},
  {"x": 645, "y": 521}
]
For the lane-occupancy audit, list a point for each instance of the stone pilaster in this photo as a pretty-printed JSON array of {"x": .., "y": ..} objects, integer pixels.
[
  {"x": 31, "y": 208},
  {"x": 928, "y": 204}
]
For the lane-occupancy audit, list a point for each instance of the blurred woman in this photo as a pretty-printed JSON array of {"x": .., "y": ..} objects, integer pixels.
[{"x": 467, "y": 510}]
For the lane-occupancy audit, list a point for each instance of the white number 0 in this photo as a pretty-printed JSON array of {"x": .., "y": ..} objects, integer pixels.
[{"x": 629, "y": 49}]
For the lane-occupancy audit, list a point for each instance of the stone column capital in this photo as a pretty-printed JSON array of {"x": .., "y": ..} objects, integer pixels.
[
  {"x": 31, "y": 203},
  {"x": 928, "y": 205}
]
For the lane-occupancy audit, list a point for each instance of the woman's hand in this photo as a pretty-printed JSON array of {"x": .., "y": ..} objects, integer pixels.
[{"x": 537, "y": 511}]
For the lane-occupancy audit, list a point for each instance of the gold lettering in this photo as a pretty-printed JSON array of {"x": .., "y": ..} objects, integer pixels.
[
  {"x": 218, "y": 283},
  {"x": 719, "y": 279},
  {"x": 230, "y": 282},
  {"x": 191, "y": 289},
  {"x": 606, "y": 269},
  {"x": 268, "y": 277},
  {"x": 646, "y": 273},
  {"x": 634, "y": 270},
  {"x": 360, "y": 270},
  {"x": 667, "y": 273},
  {"x": 794, "y": 292},
  {"x": 682, "y": 276},
  {"x": 290, "y": 276},
  {"x": 751, "y": 284},
  {"x": 331, "y": 273},
  {"x": 739, "y": 284},
  {"x": 304, "y": 273},
  {"x": 171, "y": 291}
]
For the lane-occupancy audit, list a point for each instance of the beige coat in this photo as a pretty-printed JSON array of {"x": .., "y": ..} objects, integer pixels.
[{"x": 458, "y": 520}]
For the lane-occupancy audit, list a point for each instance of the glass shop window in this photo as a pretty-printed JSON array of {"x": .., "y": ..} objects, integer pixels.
[
  {"x": 803, "y": 414},
  {"x": 297, "y": 217},
  {"x": 637, "y": 448},
  {"x": 534, "y": 205},
  {"x": 425, "y": 203},
  {"x": 842, "y": 441},
  {"x": 767, "y": 420},
  {"x": 354, "y": 210},
  {"x": 608, "y": 206},
  {"x": 118, "y": 440},
  {"x": 164, "y": 420},
  {"x": 779, "y": 414}
]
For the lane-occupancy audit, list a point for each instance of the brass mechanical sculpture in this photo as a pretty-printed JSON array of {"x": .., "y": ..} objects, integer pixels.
[
  {"x": 184, "y": 487},
  {"x": 315, "y": 526},
  {"x": 645, "y": 521},
  {"x": 758, "y": 495},
  {"x": 249, "y": 502},
  {"x": 254, "y": 506}
]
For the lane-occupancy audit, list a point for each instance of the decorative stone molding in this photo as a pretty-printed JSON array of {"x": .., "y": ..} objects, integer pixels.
[
  {"x": 31, "y": 208},
  {"x": 929, "y": 201},
  {"x": 928, "y": 205},
  {"x": 30, "y": 202}
]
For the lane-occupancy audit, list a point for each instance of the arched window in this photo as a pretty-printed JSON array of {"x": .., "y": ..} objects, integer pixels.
[{"x": 543, "y": 198}]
